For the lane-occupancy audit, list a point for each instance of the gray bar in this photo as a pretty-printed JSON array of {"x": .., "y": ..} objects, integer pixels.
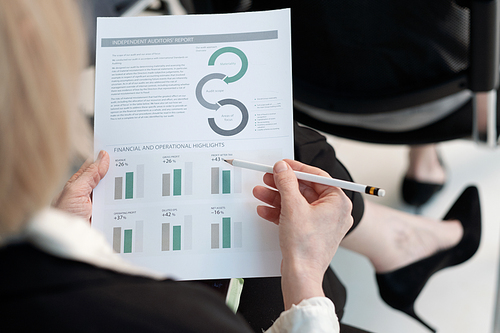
[
  {"x": 139, "y": 189},
  {"x": 139, "y": 236},
  {"x": 215, "y": 236},
  {"x": 117, "y": 239},
  {"x": 237, "y": 234},
  {"x": 165, "y": 187},
  {"x": 188, "y": 178},
  {"x": 188, "y": 232},
  {"x": 165, "y": 236},
  {"x": 237, "y": 180},
  {"x": 189, "y": 39},
  {"x": 118, "y": 188},
  {"x": 215, "y": 180}
]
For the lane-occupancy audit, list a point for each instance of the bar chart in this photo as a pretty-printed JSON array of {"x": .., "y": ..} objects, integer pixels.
[
  {"x": 134, "y": 184},
  {"x": 225, "y": 181},
  {"x": 177, "y": 181},
  {"x": 230, "y": 232},
  {"x": 176, "y": 236},
  {"x": 154, "y": 177},
  {"x": 128, "y": 239},
  {"x": 186, "y": 207}
]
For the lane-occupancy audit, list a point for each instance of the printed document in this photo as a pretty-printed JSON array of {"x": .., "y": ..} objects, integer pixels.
[{"x": 174, "y": 97}]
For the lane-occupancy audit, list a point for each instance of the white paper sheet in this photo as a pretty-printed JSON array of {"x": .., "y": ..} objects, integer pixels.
[{"x": 174, "y": 96}]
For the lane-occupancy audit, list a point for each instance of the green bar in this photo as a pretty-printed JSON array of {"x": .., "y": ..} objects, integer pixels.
[
  {"x": 226, "y": 181},
  {"x": 177, "y": 181},
  {"x": 127, "y": 241},
  {"x": 177, "y": 237},
  {"x": 226, "y": 232},
  {"x": 129, "y": 185}
]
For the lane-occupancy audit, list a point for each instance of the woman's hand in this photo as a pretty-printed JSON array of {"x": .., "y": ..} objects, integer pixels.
[
  {"x": 76, "y": 197},
  {"x": 312, "y": 220}
]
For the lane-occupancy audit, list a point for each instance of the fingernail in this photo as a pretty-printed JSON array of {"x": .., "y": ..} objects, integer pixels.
[
  {"x": 99, "y": 157},
  {"x": 280, "y": 167}
]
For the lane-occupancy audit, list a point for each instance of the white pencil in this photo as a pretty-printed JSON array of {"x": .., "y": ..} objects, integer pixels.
[{"x": 312, "y": 178}]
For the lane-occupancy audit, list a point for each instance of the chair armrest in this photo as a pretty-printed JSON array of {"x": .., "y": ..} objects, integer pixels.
[{"x": 484, "y": 45}]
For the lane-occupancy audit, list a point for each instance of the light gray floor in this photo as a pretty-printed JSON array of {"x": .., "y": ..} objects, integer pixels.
[{"x": 456, "y": 300}]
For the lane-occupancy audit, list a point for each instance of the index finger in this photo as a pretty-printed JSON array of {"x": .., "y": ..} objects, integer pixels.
[
  {"x": 299, "y": 166},
  {"x": 303, "y": 184},
  {"x": 320, "y": 189}
]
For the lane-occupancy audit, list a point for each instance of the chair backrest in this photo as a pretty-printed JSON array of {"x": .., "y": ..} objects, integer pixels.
[
  {"x": 378, "y": 49},
  {"x": 108, "y": 8}
]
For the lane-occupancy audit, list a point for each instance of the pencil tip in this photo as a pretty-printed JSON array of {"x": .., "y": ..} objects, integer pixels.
[{"x": 228, "y": 161}]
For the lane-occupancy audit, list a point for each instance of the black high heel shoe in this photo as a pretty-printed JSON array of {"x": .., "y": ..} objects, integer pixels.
[
  {"x": 400, "y": 288},
  {"x": 417, "y": 193}
]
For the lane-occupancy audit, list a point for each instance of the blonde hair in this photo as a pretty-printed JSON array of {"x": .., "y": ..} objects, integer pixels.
[{"x": 41, "y": 57}]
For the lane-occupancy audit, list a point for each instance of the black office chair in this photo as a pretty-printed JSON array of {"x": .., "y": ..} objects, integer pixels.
[
  {"x": 390, "y": 71},
  {"x": 110, "y": 8}
]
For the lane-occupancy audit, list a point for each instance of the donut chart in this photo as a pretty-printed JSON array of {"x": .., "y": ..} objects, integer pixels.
[
  {"x": 229, "y": 101},
  {"x": 239, "y": 53},
  {"x": 237, "y": 129},
  {"x": 199, "y": 89}
]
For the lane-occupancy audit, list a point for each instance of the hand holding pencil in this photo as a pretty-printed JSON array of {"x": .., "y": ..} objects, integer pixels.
[{"x": 312, "y": 220}]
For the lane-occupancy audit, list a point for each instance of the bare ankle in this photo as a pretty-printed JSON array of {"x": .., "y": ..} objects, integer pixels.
[
  {"x": 424, "y": 165},
  {"x": 417, "y": 240}
]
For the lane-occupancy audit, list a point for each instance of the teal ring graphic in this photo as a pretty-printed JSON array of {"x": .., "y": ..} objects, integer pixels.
[{"x": 239, "y": 53}]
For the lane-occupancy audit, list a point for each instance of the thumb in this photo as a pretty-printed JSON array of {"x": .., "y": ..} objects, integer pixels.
[
  {"x": 103, "y": 163},
  {"x": 93, "y": 173},
  {"x": 285, "y": 181}
]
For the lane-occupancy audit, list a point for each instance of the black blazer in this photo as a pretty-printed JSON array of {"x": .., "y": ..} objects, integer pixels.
[{"x": 43, "y": 293}]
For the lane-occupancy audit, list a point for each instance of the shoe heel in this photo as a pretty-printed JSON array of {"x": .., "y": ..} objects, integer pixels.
[
  {"x": 411, "y": 312},
  {"x": 401, "y": 296}
]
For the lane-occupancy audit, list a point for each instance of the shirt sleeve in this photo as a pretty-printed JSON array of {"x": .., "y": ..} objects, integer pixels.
[{"x": 315, "y": 314}]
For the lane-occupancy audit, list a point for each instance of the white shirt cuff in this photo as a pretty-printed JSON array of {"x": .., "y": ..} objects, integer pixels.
[{"x": 315, "y": 314}]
